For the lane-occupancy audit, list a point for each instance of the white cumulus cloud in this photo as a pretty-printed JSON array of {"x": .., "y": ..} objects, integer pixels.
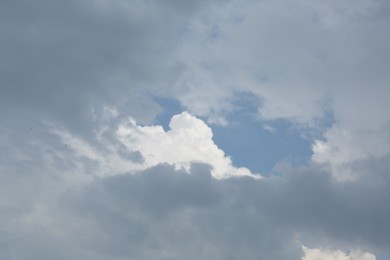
[
  {"x": 188, "y": 140},
  {"x": 320, "y": 254}
]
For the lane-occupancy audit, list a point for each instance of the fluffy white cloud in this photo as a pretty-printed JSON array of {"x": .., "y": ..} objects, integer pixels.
[
  {"x": 187, "y": 141},
  {"x": 319, "y": 254}
]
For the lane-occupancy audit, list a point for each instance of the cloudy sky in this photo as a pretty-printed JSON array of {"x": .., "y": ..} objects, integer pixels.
[{"x": 196, "y": 129}]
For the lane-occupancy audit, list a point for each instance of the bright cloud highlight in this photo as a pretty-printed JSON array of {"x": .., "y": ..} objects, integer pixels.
[
  {"x": 319, "y": 254},
  {"x": 188, "y": 140}
]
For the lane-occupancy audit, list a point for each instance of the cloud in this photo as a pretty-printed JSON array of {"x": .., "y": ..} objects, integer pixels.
[
  {"x": 78, "y": 181},
  {"x": 318, "y": 254},
  {"x": 188, "y": 140},
  {"x": 134, "y": 147},
  {"x": 303, "y": 62},
  {"x": 105, "y": 205},
  {"x": 343, "y": 146},
  {"x": 171, "y": 213},
  {"x": 79, "y": 56},
  {"x": 317, "y": 64}
]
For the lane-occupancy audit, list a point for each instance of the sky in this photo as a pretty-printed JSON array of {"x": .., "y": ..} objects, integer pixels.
[{"x": 208, "y": 129}]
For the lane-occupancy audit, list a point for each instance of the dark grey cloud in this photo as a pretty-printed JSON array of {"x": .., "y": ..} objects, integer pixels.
[
  {"x": 60, "y": 59},
  {"x": 170, "y": 214},
  {"x": 253, "y": 219}
]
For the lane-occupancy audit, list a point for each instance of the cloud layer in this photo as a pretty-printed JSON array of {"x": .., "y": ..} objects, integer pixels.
[
  {"x": 88, "y": 172},
  {"x": 172, "y": 212}
]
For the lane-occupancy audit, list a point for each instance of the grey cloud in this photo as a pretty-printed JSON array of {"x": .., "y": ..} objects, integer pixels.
[
  {"x": 296, "y": 57},
  {"x": 74, "y": 56},
  {"x": 152, "y": 189},
  {"x": 346, "y": 213},
  {"x": 170, "y": 214},
  {"x": 134, "y": 156},
  {"x": 62, "y": 58}
]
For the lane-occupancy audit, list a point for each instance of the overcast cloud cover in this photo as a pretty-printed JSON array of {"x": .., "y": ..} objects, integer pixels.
[{"x": 89, "y": 170}]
